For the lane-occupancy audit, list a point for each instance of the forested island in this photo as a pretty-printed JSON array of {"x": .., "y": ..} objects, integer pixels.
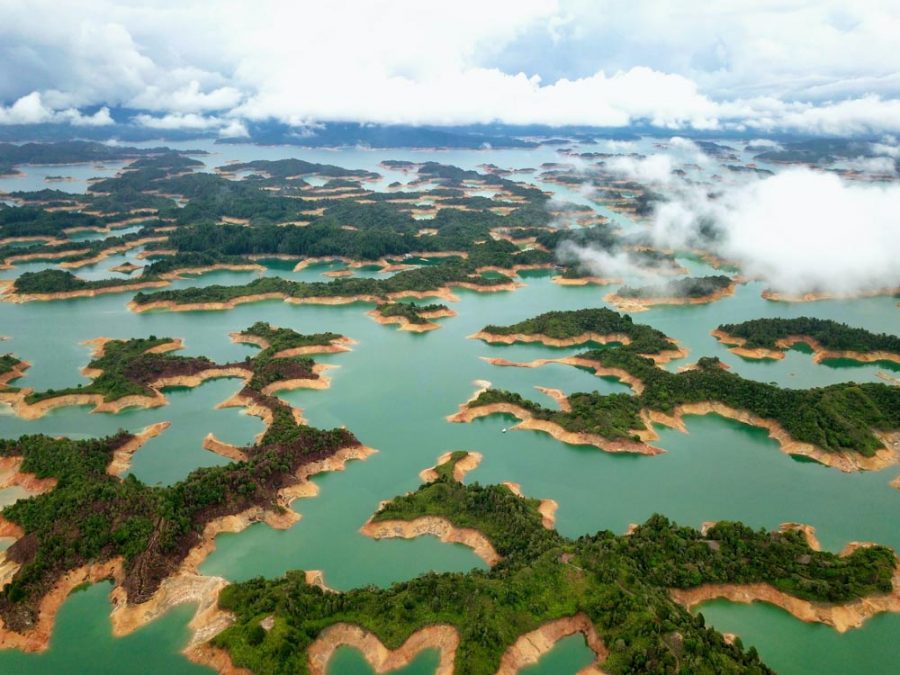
[
  {"x": 410, "y": 316},
  {"x": 615, "y": 589},
  {"x": 769, "y": 338},
  {"x": 138, "y": 534},
  {"x": 845, "y": 425},
  {"x": 574, "y": 327},
  {"x": 126, "y": 373},
  {"x": 430, "y": 280},
  {"x": 687, "y": 291}
]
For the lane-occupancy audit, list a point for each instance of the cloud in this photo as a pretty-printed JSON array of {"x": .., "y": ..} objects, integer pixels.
[
  {"x": 602, "y": 263},
  {"x": 227, "y": 128},
  {"x": 30, "y": 109},
  {"x": 800, "y": 230},
  {"x": 655, "y": 169},
  {"x": 818, "y": 66}
]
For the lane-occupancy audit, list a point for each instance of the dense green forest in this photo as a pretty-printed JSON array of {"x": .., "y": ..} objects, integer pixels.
[
  {"x": 130, "y": 367},
  {"x": 426, "y": 278},
  {"x": 619, "y": 582},
  {"x": 832, "y": 335},
  {"x": 690, "y": 287},
  {"x": 268, "y": 367},
  {"x": 152, "y": 527},
  {"x": 837, "y": 418},
  {"x": 409, "y": 310},
  {"x": 561, "y": 325}
]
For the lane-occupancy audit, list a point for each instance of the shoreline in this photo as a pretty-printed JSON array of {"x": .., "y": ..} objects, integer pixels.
[
  {"x": 121, "y": 459},
  {"x": 661, "y": 357},
  {"x": 405, "y": 324},
  {"x": 185, "y": 584},
  {"x": 815, "y": 296},
  {"x": 468, "y": 463},
  {"x": 634, "y": 305},
  {"x": 626, "y": 378},
  {"x": 528, "y": 649},
  {"x": 442, "y": 637},
  {"x": 547, "y": 507},
  {"x": 339, "y": 344},
  {"x": 736, "y": 346},
  {"x": 584, "y": 281},
  {"x": 435, "y": 526},
  {"x": 884, "y": 457},
  {"x": 33, "y": 411},
  {"x": 841, "y": 617},
  {"x": 528, "y": 422},
  {"x": 845, "y": 461}
]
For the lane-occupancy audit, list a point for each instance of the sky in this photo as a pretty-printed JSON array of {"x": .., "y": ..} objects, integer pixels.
[{"x": 811, "y": 66}]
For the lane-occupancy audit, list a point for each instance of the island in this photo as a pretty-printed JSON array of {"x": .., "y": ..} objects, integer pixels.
[
  {"x": 848, "y": 426},
  {"x": 149, "y": 540},
  {"x": 687, "y": 291},
  {"x": 410, "y": 316},
  {"x": 625, "y": 593},
  {"x": 132, "y": 373},
  {"x": 770, "y": 338},
  {"x": 577, "y": 327}
]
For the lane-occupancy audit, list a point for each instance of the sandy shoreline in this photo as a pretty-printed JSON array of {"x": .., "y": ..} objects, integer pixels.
[
  {"x": 407, "y": 325},
  {"x": 468, "y": 463},
  {"x": 609, "y": 338},
  {"x": 845, "y": 461},
  {"x": 820, "y": 353},
  {"x": 841, "y": 617},
  {"x": 530, "y": 647},
  {"x": 442, "y": 637},
  {"x": 634, "y": 305},
  {"x": 435, "y": 526},
  {"x": 584, "y": 281},
  {"x": 778, "y": 296},
  {"x": 18, "y": 298},
  {"x": 32, "y": 411},
  {"x": 186, "y": 585},
  {"x": 122, "y": 455},
  {"x": 528, "y": 422}
]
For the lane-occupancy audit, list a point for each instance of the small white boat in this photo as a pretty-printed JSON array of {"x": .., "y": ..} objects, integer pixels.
[{"x": 504, "y": 430}]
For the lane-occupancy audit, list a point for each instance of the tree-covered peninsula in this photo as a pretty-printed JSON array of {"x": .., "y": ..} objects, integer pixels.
[
  {"x": 613, "y": 588},
  {"x": 583, "y": 325},
  {"x": 846, "y": 418},
  {"x": 769, "y": 338},
  {"x": 148, "y": 533}
]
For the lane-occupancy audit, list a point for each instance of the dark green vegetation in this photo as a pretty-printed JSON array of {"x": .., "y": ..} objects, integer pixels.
[
  {"x": 153, "y": 528},
  {"x": 569, "y": 324},
  {"x": 268, "y": 366},
  {"x": 427, "y": 278},
  {"x": 62, "y": 281},
  {"x": 128, "y": 368},
  {"x": 838, "y": 418},
  {"x": 131, "y": 367},
  {"x": 818, "y": 150},
  {"x": 410, "y": 311},
  {"x": 832, "y": 335},
  {"x": 619, "y": 582},
  {"x": 690, "y": 287},
  {"x": 69, "y": 152}
]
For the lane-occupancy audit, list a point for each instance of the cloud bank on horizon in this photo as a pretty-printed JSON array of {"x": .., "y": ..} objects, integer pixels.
[{"x": 814, "y": 66}]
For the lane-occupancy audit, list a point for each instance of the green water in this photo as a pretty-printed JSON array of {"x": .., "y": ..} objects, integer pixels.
[
  {"x": 802, "y": 648},
  {"x": 83, "y": 642},
  {"x": 394, "y": 391}
]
